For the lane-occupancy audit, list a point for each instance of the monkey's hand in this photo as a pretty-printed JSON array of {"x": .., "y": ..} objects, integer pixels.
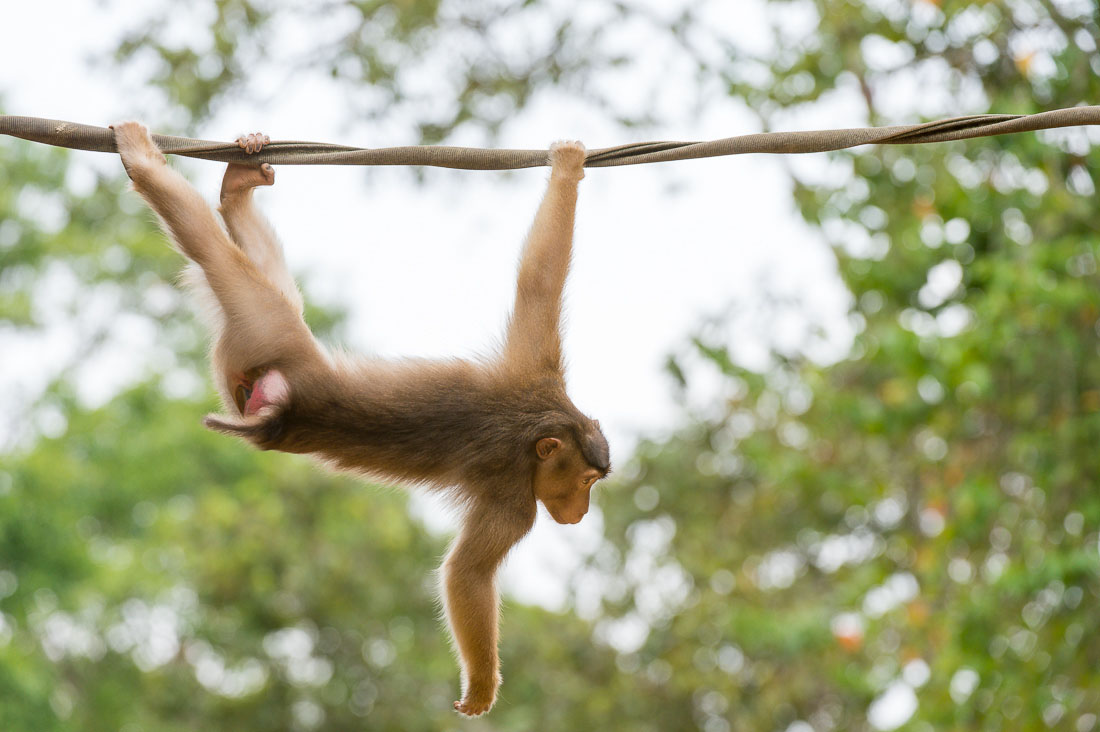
[
  {"x": 240, "y": 178},
  {"x": 138, "y": 151},
  {"x": 567, "y": 160},
  {"x": 479, "y": 697}
]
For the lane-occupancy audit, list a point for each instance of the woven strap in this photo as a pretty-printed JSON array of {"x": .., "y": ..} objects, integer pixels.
[{"x": 101, "y": 139}]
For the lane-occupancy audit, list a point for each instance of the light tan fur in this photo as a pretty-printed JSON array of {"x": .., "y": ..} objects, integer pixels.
[{"x": 498, "y": 434}]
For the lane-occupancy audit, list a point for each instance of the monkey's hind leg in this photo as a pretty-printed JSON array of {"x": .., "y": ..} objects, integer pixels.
[
  {"x": 248, "y": 227},
  {"x": 260, "y": 328}
]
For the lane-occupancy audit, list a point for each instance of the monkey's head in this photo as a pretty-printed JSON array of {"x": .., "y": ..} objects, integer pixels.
[{"x": 566, "y": 468}]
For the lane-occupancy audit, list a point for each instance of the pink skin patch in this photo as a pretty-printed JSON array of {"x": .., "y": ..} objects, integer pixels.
[{"x": 271, "y": 389}]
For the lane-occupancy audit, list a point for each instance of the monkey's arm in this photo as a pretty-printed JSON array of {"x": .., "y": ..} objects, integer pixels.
[
  {"x": 533, "y": 338},
  {"x": 470, "y": 597}
]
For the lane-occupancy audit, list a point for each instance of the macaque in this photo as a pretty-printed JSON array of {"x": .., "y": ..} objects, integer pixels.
[{"x": 497, "y": 435}]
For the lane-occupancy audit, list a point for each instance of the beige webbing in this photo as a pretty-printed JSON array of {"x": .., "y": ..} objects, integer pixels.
[{"x": 101, "y": 139}]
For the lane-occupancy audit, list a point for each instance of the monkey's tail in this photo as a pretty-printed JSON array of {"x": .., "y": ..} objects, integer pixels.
[
  {"x": 263, "y": 429},
  {"x": 261, "y": 421}
]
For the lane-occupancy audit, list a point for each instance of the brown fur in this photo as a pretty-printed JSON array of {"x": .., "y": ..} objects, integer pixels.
[{"x": 498, "y": 434}]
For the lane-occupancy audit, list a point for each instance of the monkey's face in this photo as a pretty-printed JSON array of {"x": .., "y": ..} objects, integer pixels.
[{"x": 563, "y": 479}]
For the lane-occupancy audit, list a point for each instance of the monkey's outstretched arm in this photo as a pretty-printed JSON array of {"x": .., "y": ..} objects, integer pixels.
[
  {"x": 470, "y": 598},
  {"x": 533, "y": 339}
]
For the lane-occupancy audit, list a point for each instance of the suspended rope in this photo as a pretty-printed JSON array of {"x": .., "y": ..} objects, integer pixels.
[{"x": 101, "y": 139}]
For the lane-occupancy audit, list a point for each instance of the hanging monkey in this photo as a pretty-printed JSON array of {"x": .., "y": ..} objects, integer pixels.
[{"x": 497, "y": 435}]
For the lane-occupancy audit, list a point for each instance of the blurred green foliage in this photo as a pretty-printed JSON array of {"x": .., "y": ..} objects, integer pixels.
[
  {"x": 441, "y": 64},
  {"x": 917, "y": 523},
  {"x": 908, "y": 536}
]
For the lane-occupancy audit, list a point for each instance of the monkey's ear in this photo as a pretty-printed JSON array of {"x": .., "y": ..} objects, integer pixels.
[{"x": 547, "y": 446}]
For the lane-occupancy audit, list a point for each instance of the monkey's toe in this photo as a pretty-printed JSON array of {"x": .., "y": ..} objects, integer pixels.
[{"x": 253, "y": 142}]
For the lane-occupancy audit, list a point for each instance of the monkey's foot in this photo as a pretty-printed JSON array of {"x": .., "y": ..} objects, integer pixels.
[
  {"x": 477, "y": 700},
  {"x": 241, "y": 178},
  {"x": 252, "y": 394},
  {"x": 253, "y": 142},
  {"x": 136, "y": 147},
  {"x": 567, "y": 159}
]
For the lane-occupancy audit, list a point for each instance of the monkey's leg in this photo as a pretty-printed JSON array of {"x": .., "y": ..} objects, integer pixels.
[
  {"x": 261, "y": 327},
  {"x": 248, "y": 227},
  {"x": 470, "y": 598},
  {"x": 533, "y": 339}
]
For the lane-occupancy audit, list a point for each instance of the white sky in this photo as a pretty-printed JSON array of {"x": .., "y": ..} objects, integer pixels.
[{"x": 428, "y": 270}]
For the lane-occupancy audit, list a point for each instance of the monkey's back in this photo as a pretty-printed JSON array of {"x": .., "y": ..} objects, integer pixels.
[{"x": 437, "y": 423}]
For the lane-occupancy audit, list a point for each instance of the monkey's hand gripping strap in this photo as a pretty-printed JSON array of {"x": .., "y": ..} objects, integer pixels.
[{"x": 101, "y": 139}]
